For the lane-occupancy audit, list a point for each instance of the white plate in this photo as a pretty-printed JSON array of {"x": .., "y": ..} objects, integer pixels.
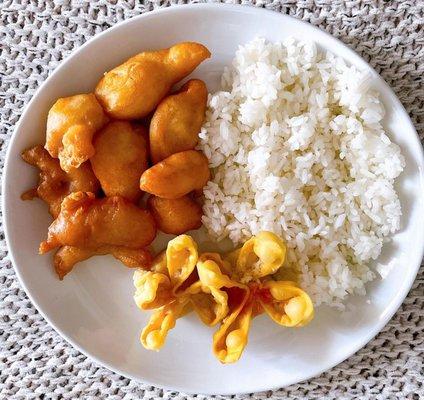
[{"x": 93, "y": 307}]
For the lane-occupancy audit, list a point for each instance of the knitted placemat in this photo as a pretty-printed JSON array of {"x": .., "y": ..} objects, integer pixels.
[{"x": 36, "y": 35}]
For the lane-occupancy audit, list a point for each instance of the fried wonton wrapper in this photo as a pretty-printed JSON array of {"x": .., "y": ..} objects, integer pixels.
[
  {"x": 214, "y": 293},
  {"x": 87, "y": 222},
  {"x": 172, "y": 272},
  {"x": 120, "y": 159},
  {"x": 231, "y": 258},
  {"x": 181, "y": 259},
  {"x": 161, "y": 322},
  {"x": 222, "y": 299},
  {"x": 54, "y": 183},
  {"x": 177, "y": 175},
  {"x": 153, "y": 289},
  {"x": 176, "y": 123},
  {"x": 209, "y": 303},
  {"x": 208, "y": 296},
  {"x": 286, "y": 304},
  {"x": 159, "y": 263},
  {"x": 134, "y": 89},
  {"x": 207, "y": 274},
  {"x": 175, "y": 216},
  {"x": 71, "y": 124},
  {"x": 67, "y": 256},
  {"x": 231, "y": 338},
  {"x": 260, "y": 256}
]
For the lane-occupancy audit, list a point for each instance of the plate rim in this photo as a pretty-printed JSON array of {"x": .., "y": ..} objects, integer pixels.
[{"x": 241, "y": 8}]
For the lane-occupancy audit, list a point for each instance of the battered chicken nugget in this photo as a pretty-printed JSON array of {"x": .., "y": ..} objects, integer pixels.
[
  {"x": 91, "y": 223},
  {"x": 133, "y": 89},
  {"x": 175, "y": 216},
  {"x": 177, "y": 175},
  {"x": 176, "y": 123},
  {"x": 67, "y": 256},
  {"x": 71, "y": 124},
  {"x": 120, "y": 159},
  {"x": 141, "y": 130},
  {"x": 54, "y": 183}
]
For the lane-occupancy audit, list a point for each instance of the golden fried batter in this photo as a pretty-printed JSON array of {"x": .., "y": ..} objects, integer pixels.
[
  {"x": 133, "y": 89},
  {"x": 177, "y": 175},
  {"x": 54, "y": 183},
  {"x": 91, "y": 223},
  {"x": 141, "y": 130},
  {"x": 71, "y": 124},
  {"x": 120, "y": 159},
  {"x": 175, "y": 216},
  {"x": 67, "y": 256},
  {"x": 176, "y": 123}
]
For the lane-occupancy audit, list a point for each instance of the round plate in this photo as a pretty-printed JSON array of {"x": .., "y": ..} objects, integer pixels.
[{"x": 93, "y": 307}]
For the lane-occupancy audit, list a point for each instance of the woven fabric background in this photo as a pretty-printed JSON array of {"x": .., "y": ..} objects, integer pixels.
[{"x": 36, "y": 35}]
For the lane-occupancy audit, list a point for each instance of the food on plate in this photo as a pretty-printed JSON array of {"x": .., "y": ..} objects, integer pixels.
[
  {"x": 296, "y": 145},
  {"x": 231, "y": 338},
  {"x": 292, "y": 161},
  {"x": 67, "y": 256},
  {"x": 161, "y": 322},
  {"x": 214, "y": 294},
  {"x": 154, "y": 289},
  {"x": 71, "y": 124},
  {"x": 87, "y": 222},
  {"x": 181, "y": 279},
  {"x": 120, "y": 158},
  {"x": 55, "y": 184},
  {"x": 140, "y": 128},
  {"x": 175, "y": 216},
  {"x": 176, "y": 123},
  {"x": 177, "y": 175},
  {"x": 134, "y": 89},
  {"x": 159, "y": 262},
  {"x": 86, "y": 151},
  {"x": 181, "y": 258},
  {"x": 262, "y": 255},
  {"x": 285, "y": 303}
]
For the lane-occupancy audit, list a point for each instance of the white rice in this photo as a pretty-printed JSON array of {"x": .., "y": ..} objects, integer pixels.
[{"x": 296, "y": 145}]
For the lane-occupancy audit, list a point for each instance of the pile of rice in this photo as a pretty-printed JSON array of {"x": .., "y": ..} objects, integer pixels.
[{"x": 296, "y": 146}]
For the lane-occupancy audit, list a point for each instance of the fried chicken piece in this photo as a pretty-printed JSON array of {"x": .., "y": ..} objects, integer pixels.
[
  {"x": 175, "y": 216},
  {"x": 91, "y": 223},
  {"x": 71, "y": 124},
  {"x": 67, "y": 256},
  {"x": 134, "y": 89},
  {"x": 176, "y": 123},
  {"x": 177, "y": 175},
  {"x": 55, "y": 184},
  {"x": 120, "y": 159},
  {"x": 141, "y": 130}
]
